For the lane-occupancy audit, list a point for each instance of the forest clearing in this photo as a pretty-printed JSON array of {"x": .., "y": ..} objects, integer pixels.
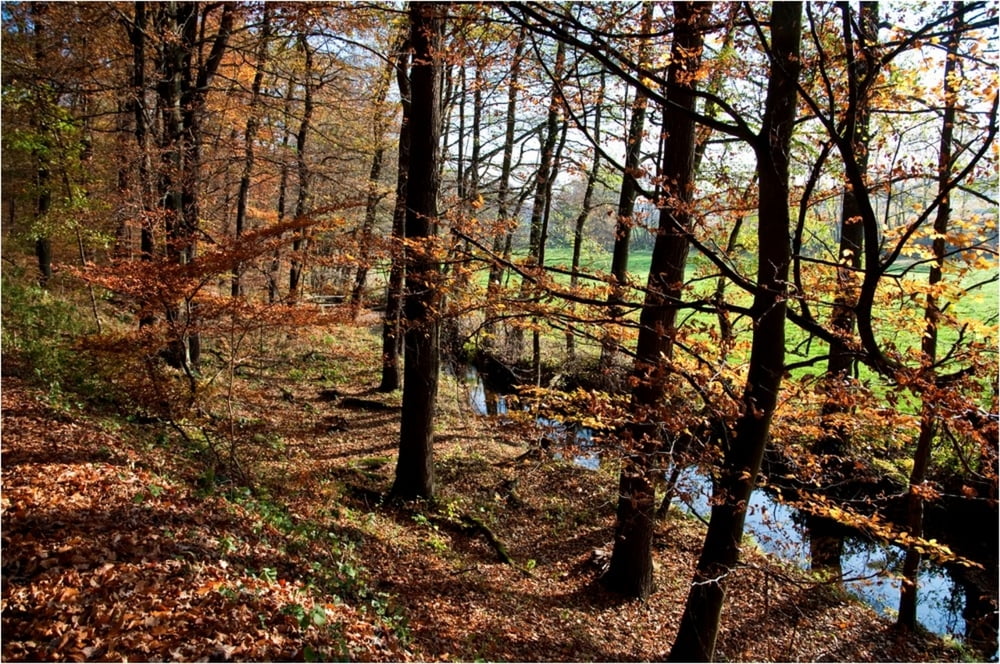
[{"x": 516, "y": 331}]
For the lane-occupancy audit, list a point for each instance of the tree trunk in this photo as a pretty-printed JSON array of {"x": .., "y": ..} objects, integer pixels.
[
  {"x": 626, "y": 199},
  {"x": 300, "y": 244},
  {"x": 536, "y": 348},
  {"x": 181, "y": 92},
  {"x": 137, "y": 37},
  {"x": 536, "y": 243},
  {"x": 249, "y": 137},
  {"x": 907, "y": 617},
  {"x": 699, "y": 626},
  {"x": 391, "y": 326},
  {"x": 588, "y": 195},
  {"x": 502, "y": 239},
  {"x": 835, "y": 440},
  {"x": 631, "y": 568},
  {"x": 374, "y": 174},
  {"x": 274, "y": 273},
  {"x": 43, "y": 197},
  {"x": 415, "y": 466}
]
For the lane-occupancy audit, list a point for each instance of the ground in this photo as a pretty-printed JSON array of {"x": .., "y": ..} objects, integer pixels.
[{"x": 117, "y": 547}]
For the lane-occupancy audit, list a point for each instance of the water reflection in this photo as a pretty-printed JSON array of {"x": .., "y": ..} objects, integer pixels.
[{"x": 950, "y": 600}]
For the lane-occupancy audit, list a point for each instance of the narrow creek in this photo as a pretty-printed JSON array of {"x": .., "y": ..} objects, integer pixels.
[{"x": 950, "y": 604}]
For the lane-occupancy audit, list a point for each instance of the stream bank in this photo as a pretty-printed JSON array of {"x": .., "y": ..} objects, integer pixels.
[{"x": 953, "y": 601}]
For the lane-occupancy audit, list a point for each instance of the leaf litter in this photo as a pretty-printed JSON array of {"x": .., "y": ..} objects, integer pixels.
[{"x": 111, "y": 552}]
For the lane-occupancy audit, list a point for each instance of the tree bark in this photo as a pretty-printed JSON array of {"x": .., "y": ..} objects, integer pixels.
[
  {"x": 300, "y": 244},
  {"x": 374, "y": 173},
  {"x": 631, "y": 568},
  {"x": 588, "y": 195},
  {"x": 699, "y": 626},
  {"x": 415, "y": 465},
  {"x": 249, "y": 137},
  {"x": 627, "y": 196},
  {"x": 502, "y": 240},
  {"x": 391, "y": 326},
  {"x": 181, "y": 92},
  {"x": 542, "y": 188},
  {"x": 907, "y": 616},
  {"x": 43, "y": 197},
  {"x": 274, "y": 274},
  {"x": 835, "y": 440}
]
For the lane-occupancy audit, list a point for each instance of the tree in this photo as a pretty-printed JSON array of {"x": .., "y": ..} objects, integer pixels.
[
  {"x": 743, "y": 454},
  {"x": 250, "y": 138},
  {"x": 391, "y": 324},
  {"x": 43, "y": 197},
  {"x": 378, "y": 129},
  {"x": 182, "y": 86},
  {"x": 587, "y": 203},
  {"x": 300, "y": 244},
  {"x": 415, "y": 465},
  {"x": 907, "y": 616},
  {"x": 631, "y": 568},
  {"x": 503, "y": 237},
  {"x": 630, "y": 188}
]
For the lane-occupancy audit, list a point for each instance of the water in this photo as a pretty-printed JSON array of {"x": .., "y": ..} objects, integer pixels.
[{"x": 869, "y": 568}]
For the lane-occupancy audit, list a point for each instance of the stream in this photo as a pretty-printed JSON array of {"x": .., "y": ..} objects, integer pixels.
[{"x": 949, "y": 603}]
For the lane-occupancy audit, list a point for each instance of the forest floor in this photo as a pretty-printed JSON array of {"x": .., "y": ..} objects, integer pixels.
[{"x": 115, "y": 548}]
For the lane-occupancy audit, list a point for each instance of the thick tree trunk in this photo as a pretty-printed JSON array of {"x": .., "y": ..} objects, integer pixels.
[
  {"x": 699, "y": 626},
  {"x": 181, "y": 92},
  {"x": 137, "y": 103},
  {"x": 415, "y": 466},
  {"x": 907, "y": 617},
  {"x": 631, "y": 568}
]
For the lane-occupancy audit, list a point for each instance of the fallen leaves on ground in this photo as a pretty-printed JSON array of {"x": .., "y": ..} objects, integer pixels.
[{"x": 109, "y": 555}]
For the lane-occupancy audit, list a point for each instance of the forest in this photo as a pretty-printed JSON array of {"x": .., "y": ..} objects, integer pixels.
[{"x": 500, "y": 331}]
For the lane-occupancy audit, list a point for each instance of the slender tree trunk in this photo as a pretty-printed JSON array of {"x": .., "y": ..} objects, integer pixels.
[
  {"x": 415, "y": 466},
  {"x": 274, "y": 273},
  {"x": 391, "y": 326},
  {"x": 588, "y": 196},
  {"x": 907, "y": 617},
  {"x": 138, "y": 107},
  {"x": 536, "y": 347},
  {"x": 835, "y": 440},
  {"x": 249, "y": 138},
  {"x": 43, "y": 196},
  {"x": 300, "y": 244},
  {"x": 536, "y": 245},
  {"x": 631, "y": 568},
  {"x": 699, "y": 626},
  {"x": 627, "y": 196},
  {"x": 502, "y": 239},
  {"x": 374, "y": 174}
]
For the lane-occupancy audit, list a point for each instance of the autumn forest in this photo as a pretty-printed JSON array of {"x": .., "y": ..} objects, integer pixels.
[{"x": 499, "y": 331}]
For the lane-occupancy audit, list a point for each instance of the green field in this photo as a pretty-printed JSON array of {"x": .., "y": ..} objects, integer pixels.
[{"x": 898, "y": 321}]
